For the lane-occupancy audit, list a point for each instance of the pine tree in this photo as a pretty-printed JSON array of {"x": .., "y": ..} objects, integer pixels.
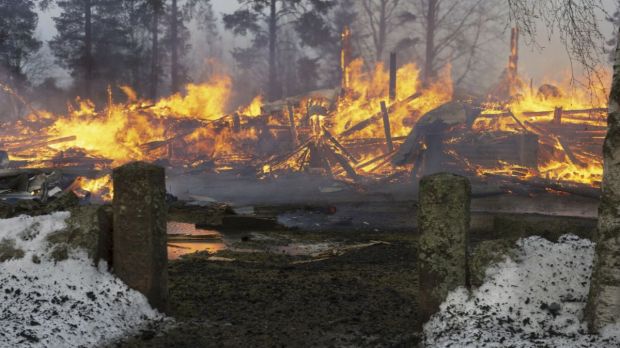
[
  {"x": 265, "y": 20},
  {"x": 18, "y": 21},
  {"x": 93, "y": 43},
  {"x": 17, "y": 42}
]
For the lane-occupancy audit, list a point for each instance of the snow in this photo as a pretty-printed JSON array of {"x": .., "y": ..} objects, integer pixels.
[
  {"x": 62, "y": 304},
  {"x": 535, "y": 300}
]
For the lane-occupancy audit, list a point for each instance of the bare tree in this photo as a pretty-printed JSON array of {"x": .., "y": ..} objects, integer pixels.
[
  {"x": 457, "y": 33},
  {"x": 383, "y": 17},
  {"x": 577, "y": 23}
]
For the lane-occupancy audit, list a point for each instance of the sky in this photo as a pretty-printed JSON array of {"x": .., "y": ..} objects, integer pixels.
[{"x": 547, "y": 61}]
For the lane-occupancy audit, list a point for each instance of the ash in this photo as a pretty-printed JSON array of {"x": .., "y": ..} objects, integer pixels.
[
  {"x": 69, "y": 303},
  {"x": 536, "y": 299}
]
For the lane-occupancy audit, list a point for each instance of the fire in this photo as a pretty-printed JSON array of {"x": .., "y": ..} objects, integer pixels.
[
  {"x": 134, "y": 130},
  {"x": 255, "y": 107},
  {"x": 570, "y": 121},
  {"x": 367, "y": 91},
  {"x": 206, "y": 101},
  {"x": 101, "y": 188},
  {"x": 341, "y": 133}
]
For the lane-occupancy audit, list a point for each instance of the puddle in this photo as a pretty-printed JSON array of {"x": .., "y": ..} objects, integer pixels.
[
  {"x": 297, "y": 249},
  {"x": 185, "y": 238}
]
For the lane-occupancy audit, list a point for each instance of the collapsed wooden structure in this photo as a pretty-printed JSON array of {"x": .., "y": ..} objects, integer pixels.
[{"x": 295, "y": 135}]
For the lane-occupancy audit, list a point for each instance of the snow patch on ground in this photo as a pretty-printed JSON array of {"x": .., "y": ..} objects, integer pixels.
[
  {"x": 61, "y": 304},
  {"x": 535, "y": 300}
]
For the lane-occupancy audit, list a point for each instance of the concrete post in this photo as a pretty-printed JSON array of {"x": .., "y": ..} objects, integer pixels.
[
  {"x": 443, "y": 221},
  {"x": 139, "y": 221}
]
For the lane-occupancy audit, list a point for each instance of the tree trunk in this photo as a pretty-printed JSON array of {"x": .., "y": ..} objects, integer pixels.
[
  {"x": 604, "y": 300},
  {"x": 155, "y": 52},
  {"x": 382, "y": 31},
  {"x": 431, "y": 17},
  {"x": 175, "y": 47},
  {"x": 273, "y": 90},
  {"x": 88, "y": 48}
]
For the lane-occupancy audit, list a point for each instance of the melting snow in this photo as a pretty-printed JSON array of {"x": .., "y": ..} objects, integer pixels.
[
  {"x": 535, "y": 300},
  {"x": 61, "y": 304}
]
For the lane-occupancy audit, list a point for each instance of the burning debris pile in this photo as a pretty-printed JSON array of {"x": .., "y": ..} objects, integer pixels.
[{"x": 371, "y": 129}]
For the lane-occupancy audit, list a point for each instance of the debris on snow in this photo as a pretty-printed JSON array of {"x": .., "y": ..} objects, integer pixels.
[
  {"x": 70, "y": 303},
  {"x": 534, "y": 300}
]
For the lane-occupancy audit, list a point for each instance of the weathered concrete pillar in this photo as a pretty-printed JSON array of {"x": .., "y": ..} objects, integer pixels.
[
  {"x": 140, "y": 255},
  {"x": 603, "y": 306},
  {"x": 443, "y": 221}
]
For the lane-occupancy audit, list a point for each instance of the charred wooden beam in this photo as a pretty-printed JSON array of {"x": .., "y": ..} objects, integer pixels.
[
  {"x": 386, "y": 127},
  {"x": 291, "y": 120},
  {"x": 392, "y": 77},
  {"x": 550, "y": 112},
  {"x": 339, "y": 146},
  {"x": 345, "y": 57},
  {"x": 555, "y": 185},
  {"x": 369, "y": 141},
  {"x": 513, "y": 61},
  {"x": 43, "y": 143},
  {"x": 236, "y": 123},
  {"x": 557, "y": 116},
  {"x": 340, "y": 159},
  {"x": 367, "y": 122},
  {"x": 373, "y": 160},
  {"x": 517, "y": 120},
  {"x": 386, "y": 160},
  {"x": 567, "y": 150}
]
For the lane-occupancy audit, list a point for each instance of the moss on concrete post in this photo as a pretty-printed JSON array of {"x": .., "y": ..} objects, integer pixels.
[
  {"x": 139, "y": 239},
  {"x": 443, "y": 221}
]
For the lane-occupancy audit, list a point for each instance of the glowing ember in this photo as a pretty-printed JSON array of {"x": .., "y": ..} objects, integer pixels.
[{"x": 100, "y": 187}]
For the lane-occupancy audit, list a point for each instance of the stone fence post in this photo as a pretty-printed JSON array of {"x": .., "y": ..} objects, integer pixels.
[
  {"x": 443, "y": 222},
  {"x": 139, "y": 238}
]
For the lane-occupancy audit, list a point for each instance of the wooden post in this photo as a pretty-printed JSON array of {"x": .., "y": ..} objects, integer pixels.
[
  {"x": 236, "y": 123},
  {"x": 557, "y": 116},
  {"x": 345, "y": 58},
  {"x": 513, "y": 61},
  {"x": 392, "y": 76},
  {"x": 443, "y": 223},
  {"x": 139, "y": 222},
  {"x": 386, "y": 127},
  {"x": 291, "y": 120}
]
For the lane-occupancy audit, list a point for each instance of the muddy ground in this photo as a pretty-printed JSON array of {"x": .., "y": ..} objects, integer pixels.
[
  {"x": 336, "y": 279},
  {"x": 364, "y": 297}
]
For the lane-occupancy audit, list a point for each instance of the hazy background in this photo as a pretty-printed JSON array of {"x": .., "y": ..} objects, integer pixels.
[{"x": 547, "y": 60}]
